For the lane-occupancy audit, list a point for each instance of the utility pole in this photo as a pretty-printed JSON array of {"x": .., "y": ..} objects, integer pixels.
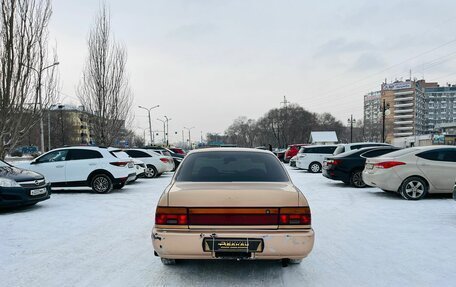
[
  {"x": 183, "y": 140},
  {"x": 61, "y": 124},
  {"x": 189, "y": 137},
  {"x": 351, "y": 121},
  {"x": 49, "y": 127},
  {"x": 152, "y": 139}
]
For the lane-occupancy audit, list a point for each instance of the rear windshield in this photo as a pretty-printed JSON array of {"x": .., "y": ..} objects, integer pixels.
[
  {"x": 399, "y": 152},
  {"x": 231, "y": 166}
]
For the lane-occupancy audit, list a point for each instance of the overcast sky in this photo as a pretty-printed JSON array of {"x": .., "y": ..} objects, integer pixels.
[{"x": 206, "y": 62}]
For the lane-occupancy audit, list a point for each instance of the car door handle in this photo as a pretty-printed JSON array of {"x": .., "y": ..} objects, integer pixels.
[
  {"x": 59, "y": 166},
  {"x": 92, "y": 164}
]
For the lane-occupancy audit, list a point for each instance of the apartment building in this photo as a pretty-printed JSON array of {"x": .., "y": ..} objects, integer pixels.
[
  {"x": 372, "y": 117},
  {"x": 440, "y": 106},
  {"x": 406, "y": 104}
]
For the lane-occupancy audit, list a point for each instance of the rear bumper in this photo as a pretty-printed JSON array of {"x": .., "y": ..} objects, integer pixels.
[
  {"x": 335, "y": 175},
  {"x": 188, "y": 244},
  {"x": 388, "y": 180}
]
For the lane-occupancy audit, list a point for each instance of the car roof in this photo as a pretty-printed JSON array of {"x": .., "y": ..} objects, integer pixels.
[
  {"x": 83, "y": 147},
  {"x": 361, "y": 143},
  {"x": 231, "y": 149},
  {"x": 321, "y": 145},
  {"x": 431, "y": 147}
]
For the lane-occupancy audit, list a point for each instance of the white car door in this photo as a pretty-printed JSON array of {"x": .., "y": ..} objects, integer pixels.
[
  {"x": 439, "y": 166},
  {"x": 52, "y": 165},
  {"x": 80, "y": 163}
]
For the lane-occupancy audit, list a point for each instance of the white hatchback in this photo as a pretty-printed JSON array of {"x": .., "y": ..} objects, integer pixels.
[{"x": 95, "y": 167}]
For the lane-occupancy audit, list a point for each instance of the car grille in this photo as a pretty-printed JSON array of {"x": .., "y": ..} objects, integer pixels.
[{"x": 33, "y": 183}]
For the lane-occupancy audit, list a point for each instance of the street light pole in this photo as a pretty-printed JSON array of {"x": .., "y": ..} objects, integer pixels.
[
  {"x": 385, "y": 107},
  {"x": 351, "y": 121},
  {"x": 164, "y": 130},
  {"x": 152, "y": 139},
  {"x": 38, "y": 91},
  {"x": 189, "y": 137},
  {"x": 167, "y": 130}
]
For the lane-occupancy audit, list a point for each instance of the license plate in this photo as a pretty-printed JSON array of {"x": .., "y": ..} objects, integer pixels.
[
  {"x": 369, "y": 166},
  {"x": 233, "y": 244},
  {"x": 38, "y": 191}
]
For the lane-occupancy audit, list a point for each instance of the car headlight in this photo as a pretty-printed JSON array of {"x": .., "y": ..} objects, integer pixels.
[{"x": 6, "y": 182}]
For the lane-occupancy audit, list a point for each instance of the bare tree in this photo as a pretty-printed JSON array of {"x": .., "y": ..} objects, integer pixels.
[
  {"x": 104, "y": 89},
  {"x": 27, "y": 86}
]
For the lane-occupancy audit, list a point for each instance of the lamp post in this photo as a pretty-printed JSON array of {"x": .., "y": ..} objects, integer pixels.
[
  {"x": 385, "y": 112},
  {"x": 164, "y": 130},
  {"x": 150, "y": 121},
  {"x": 351, "y": 121},
  {"x": 167, "y": 130},
  {"x": 189, "y": 137},
  {"x": 38, "y": 92}
]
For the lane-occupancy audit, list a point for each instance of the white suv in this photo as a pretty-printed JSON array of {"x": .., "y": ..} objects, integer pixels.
[
  {"x": 311, "y": 157},
  {"x": 156, "y": 164},
  {"x": 84, "y": 166}
]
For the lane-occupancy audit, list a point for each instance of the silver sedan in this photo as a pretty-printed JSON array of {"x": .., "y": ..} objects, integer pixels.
[{"x": 413, "y": 172}]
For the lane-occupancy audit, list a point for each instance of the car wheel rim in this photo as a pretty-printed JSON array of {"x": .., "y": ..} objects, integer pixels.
[
  {"x": 315, "y": 167},
  {"x": 101, "y": 184},
  {"x": 358, "y": 180},
  {"x": 150, "y": 172},
  {"x": 414, "y": 189}
]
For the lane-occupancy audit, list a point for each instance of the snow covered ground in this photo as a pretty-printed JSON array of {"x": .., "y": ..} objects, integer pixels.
[{"x": 364, "y": 237}]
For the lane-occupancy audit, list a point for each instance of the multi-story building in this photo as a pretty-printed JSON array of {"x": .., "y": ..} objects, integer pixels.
[
  {"x": 372, "y": 117},
  {"x": 440, "y": 106},
  {"x": 406, "y": 105}
]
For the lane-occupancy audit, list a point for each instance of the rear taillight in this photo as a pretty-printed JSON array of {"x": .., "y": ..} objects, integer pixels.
[
  {"x": 333, "y": 162},
  {"x": 171, "y": 216},
  {"x": 165, "y": 160},
  {"x": 388, "y": 164},
  {"x": 120, "y": 163},
  {"x": 295, "y": 216}
]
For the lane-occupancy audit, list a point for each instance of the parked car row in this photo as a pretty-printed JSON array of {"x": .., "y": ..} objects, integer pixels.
[
  {"x": 412, "y": 172},
  {"x": 102, "y": 169}
]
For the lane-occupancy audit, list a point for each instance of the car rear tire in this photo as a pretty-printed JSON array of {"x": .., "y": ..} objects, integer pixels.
[
  {"x": 101, "y": 183},
  {"x": 315, "y": 167},
  {"x": 166, "y": 261},
  {"x": 150, "y": 171},
  {"x": 295, "y": 261},
  {"x": 356, "y": 179},
  {"x": 414, "y": 188}
]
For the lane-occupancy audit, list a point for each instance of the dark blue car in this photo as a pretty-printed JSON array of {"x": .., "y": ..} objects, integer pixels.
[{"x": 20, "y": 187}]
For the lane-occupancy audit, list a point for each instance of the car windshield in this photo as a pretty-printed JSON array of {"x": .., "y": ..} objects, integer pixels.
[
  {"x": 120, "y": 154},
  {"x": 231, "y": 166},
  {"x": 339, "y": 149},
  {"x": 3, "y": 164}
]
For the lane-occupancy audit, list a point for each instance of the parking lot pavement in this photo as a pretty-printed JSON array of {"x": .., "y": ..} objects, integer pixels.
[{"x": 364, "y": 237}]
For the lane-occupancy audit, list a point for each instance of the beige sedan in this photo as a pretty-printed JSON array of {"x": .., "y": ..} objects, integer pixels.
[
  {"x": 413, "y": 172},
  {"x": 232, "y": 204}
]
